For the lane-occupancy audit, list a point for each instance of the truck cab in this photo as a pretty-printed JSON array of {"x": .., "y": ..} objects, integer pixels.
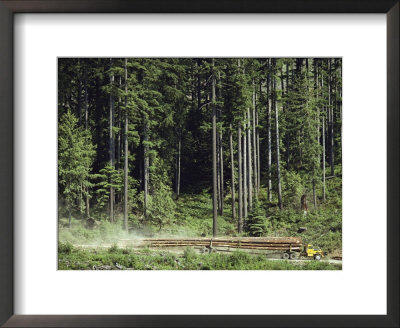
[{"x": 312, "y": 251}]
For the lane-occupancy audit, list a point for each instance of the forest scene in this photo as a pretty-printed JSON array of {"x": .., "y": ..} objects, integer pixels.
[{"x": 199, "y": 163}]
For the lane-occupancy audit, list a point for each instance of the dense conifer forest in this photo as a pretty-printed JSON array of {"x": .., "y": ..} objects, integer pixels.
[{"x": 200, "y": 147}]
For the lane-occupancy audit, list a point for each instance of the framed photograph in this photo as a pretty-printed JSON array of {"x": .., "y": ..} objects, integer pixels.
[{"x": 199, "y": 164}]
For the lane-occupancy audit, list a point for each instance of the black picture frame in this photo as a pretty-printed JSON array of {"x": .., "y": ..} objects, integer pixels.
[{"x": 7, "y": 10}]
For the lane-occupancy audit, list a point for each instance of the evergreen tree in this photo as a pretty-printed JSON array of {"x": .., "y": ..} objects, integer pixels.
[
  {"x": 256, "y": 225},
  {"x": 148, "y": 122},
  {"x": 75, "y": 159}
]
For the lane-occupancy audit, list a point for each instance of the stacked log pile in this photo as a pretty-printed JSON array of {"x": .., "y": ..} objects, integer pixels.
[{"x": 261, "y": 243}]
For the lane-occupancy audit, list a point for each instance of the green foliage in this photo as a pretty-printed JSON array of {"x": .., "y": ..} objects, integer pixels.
[
  {"x": 161, "y": 206},
  {"x": 194, "y": 217},
  {"x": 75, "y": 158},
  {"x": 119, "y": 259},
  {"x": 113, "y": 248},
  {"x": 168, "y": 103},
  {"x": 256, "y": 223},
  {"x": 65, "y": 248},
  {"x": 292, "y": 189},
  {"x": 108, "y": 177},
  {"x": 189, "y": 254}
]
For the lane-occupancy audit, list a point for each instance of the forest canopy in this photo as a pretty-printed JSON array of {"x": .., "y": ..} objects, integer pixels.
[{"x": 217, "y": 146}]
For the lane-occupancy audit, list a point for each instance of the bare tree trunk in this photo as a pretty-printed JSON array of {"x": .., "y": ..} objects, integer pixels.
[
  {"x": 254, "y": 143},
  {"x": 269, "y": 141},
  {"x": 221, "y": 154},
  {"x": 69, "y": 216},
  {"x": 278, "y": 169},
  {"x": 80, "y": 199},
  {"x": 79, "y": 95},
  {"x": 287, "y": 143},
  {"x": 126, "y": 168},
  {"x": 249, "y": 160},
  {"x": 245, "y": 186},
  {"x": 318, "y": 109},
  {"x": 323, "y": 157},
  {"x": 221, "y": 163},
  {"x": 323, "y": 141},
  {"x": 87, "y": 203},
  {"x": 177, "y": 159},
  {"x": 111, "y": 143},
  {"x": 240, "y": 193},
  {"x": 287, "y": 137},
  {"x": 86, "y": 102},
  {"x": 198, "y": 85},
  {"x": 214, "y": 151},
  {"x": 218, "y": 177},
  {"x": 86, "y": 127},
  {"x": 258, "y": 158},
  {"x": 232, "y": 173},
  {"x": 318, "y": 119},
  {"x": 219, "y": 174},
  {"x": 340, "y": 103},
  {"x": 146, "y": 167},
  {"x": 332, "y": 157},
  {"x": 119, "y": 133},
  {"x": 141, "y": 173},
  {"x": 176, "y": 172},
  {"x": 178, "y": 181},
  {"x": 314, "y": 194}
]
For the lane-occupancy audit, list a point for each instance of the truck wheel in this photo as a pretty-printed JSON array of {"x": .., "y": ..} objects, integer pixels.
[
  {"x": 285, "y": 256},
  {"x": 292, "y": 256},
  {"x": 204, "y": 250},
  {"x": 317, "y": 257}
]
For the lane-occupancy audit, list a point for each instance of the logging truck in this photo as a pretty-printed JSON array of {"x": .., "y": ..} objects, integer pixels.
[
  {"x": 312, "y": 251},
  {"x": 308, "y": 251},
  {"x": 288, "y": 247}
]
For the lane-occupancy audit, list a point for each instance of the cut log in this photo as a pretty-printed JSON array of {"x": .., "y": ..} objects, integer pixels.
[
  {"x": 282, "y": 244},
  {"x": 286, "y": 240}
]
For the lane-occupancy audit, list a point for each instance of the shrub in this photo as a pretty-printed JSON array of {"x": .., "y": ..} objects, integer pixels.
[
  {"x": 113, "y": 248},
  {"x": 189, "y": 254},
  {"x": 256, "y": 221},
  {"x": 161, "y": 206},
  {"x": 292, "y": 188},
  {"x": 65, "y": 248}
]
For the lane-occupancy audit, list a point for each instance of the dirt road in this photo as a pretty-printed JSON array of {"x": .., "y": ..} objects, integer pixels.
[{"x": 273, "y": 256}]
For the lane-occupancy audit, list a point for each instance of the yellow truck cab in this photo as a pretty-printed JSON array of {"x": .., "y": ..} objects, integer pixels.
[{"x": 311, "y": 251}]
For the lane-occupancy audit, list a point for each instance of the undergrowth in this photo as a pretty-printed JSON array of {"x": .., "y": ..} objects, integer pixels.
[
  {"x": 123, "y": 258},
  {"x": 193, "y": 217}
]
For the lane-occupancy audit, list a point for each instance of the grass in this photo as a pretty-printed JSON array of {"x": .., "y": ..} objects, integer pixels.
[{"x": 71, "y": 258}]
